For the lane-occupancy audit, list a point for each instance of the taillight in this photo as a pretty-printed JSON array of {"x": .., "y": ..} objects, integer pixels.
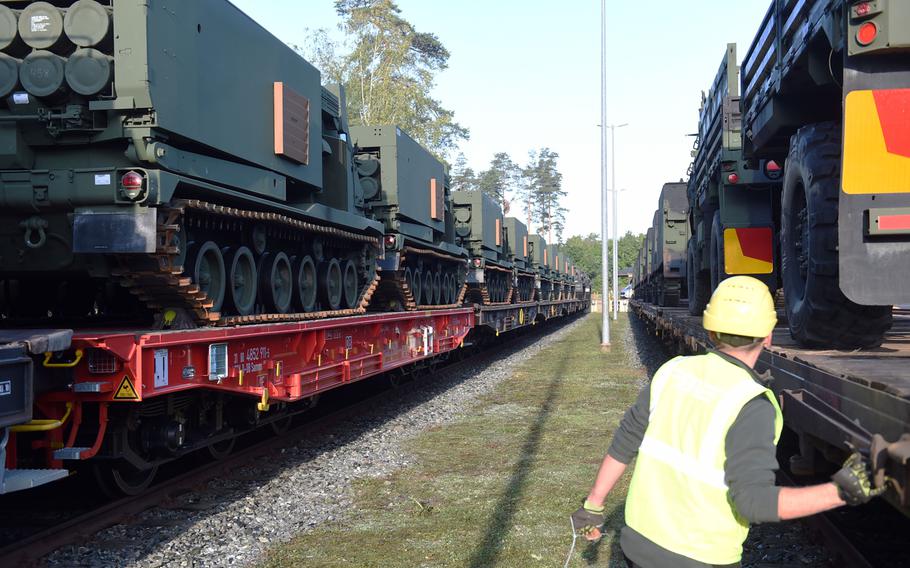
[
  {"x": 131, "y": 185},
  {"x": 728, "y": 166},
  {"x": 390, "y": 241},
  {"x": 478, "y": 262},
  {"x": 866, "y": 33},
  {"x": 862, "y": 9},
  {"x": 733, "y": 178},
  {"x": 773, "y": 170}
]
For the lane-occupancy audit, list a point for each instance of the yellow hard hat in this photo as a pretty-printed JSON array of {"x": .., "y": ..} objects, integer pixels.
[{"x": 741, "y": 305}]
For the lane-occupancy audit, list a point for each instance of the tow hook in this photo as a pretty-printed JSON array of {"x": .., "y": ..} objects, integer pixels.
[{"x": 34, "y": 225}]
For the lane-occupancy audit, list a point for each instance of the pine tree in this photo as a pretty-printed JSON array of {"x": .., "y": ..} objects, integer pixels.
[
  {"x": 499, "y": 180},
  {"x": 463, "y": 177},
  {"x": 388, "y": 72}
]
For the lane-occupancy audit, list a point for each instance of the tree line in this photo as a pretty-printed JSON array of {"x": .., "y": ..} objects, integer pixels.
[
  {"x": 531, "y": 192},
  {"x": 388, "y": 69},
  {"x": 585, "y": 251}
]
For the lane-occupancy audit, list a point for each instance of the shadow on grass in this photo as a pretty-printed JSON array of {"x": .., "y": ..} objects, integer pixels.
[{"x": 490, "y": 547}]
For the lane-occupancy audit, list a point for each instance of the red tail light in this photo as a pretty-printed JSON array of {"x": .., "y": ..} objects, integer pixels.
[
  {"x": 867, "y": 33},
  {"x": 477, "y": 262},
  {"x": 131, "y": 184},
  {"x": 733, "y": 178},
  {"x": 131, "y": 180},
  {"x": 390, "y": 241}
]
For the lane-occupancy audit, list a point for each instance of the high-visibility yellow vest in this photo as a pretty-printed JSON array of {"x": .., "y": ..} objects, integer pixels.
[{"x": 678, "y": 497}]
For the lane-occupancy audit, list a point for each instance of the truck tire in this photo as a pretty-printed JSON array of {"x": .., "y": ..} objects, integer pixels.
[
  {"x": 716, "y": 266},
  {"x": 818, "y": 313},
  {"x": 697, "y": 282}
]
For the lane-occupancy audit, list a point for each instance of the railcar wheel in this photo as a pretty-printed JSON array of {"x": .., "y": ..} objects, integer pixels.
[
  {"x": 209, "y": 274},
  {"x": 350, "y": 284},
  {"x": 118, "y": 479},
  {"x": 243, "y": 281},
  {"x": 331, "y": 283},
  {"x": 306, "y": 284},
  {"x": 220, "y": 450},
  {"x": 818, "y": 313}
]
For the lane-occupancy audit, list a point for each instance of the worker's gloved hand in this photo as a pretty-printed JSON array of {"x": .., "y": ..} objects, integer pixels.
[
  {"x": 853, "y": 483},
  {"x": 587, "y": 520}
]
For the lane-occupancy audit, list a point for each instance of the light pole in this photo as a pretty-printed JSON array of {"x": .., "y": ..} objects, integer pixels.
[
  {"x": 605, "y": 318},
  {"x": 613, "y": 128}
]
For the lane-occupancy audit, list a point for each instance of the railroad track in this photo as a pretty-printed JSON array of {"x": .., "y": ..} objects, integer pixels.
[{"x": 31, "y": 549}]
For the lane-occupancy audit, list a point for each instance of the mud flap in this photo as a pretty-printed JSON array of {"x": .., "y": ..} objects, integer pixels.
[
  {"x": 103, "y": 231},
  {"x": 876, "y": 175}
]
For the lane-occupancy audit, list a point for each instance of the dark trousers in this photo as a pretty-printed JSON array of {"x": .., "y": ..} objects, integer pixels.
[{"x": 631, "y": 564}]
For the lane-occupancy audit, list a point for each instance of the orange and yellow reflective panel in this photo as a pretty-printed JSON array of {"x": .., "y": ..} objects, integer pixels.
[
  {"x": 748, "y": 251},
  {"x": 877, "y": 142}
]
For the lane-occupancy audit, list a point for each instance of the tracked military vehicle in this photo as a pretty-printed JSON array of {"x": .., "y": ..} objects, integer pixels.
[
  {"x": 404, "y": 187},
  {"x": 541, "y": 263},
  {"x": 479, "y": 228},
  {"x": 518, "y": 251}
]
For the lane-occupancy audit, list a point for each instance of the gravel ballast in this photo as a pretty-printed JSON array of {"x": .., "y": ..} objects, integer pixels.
[{"x": 232, "y": 521}]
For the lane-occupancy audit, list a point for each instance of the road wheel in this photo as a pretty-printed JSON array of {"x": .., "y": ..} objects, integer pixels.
[
  {"x": 330, "y": 284},
  {"x": 242, "y": 281},
  {"x": 819, "y": 314},
  {"x": 306, "y": 284},
  {"x": 350, "y": 284},
  {"x": 209, "y": 274}
]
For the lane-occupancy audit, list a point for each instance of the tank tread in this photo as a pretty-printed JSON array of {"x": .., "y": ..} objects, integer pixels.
[
  {"x": 165, "y": 287},
  {"x": 395, "y": 287}
]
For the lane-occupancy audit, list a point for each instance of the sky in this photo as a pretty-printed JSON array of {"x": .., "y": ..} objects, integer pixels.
[{"x": 525, "y": 74}]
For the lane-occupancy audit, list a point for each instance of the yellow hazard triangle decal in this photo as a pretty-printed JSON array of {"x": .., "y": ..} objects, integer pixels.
[{"x": 126, "y": 391}]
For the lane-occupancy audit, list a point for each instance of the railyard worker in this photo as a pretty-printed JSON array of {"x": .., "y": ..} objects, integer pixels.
[{"x": 705, "y": 431}]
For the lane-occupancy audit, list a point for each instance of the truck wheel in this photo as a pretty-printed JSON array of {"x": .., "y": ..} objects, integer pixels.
[
  {"x": 818, "y": 312},
  {"x": 718, "y": 272},
  {"x": 697, "y": 282}
]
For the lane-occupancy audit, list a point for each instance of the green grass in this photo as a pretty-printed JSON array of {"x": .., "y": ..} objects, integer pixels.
[{"x": 497, "y": 487}]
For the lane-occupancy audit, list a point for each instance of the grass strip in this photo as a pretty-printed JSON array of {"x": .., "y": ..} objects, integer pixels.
[{"x": 496, "y": 487}]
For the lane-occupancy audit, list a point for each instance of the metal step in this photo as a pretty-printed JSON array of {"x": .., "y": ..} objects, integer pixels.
[
  {"x": 69, "y": 453},
  {"x": 19, "y": 479}
]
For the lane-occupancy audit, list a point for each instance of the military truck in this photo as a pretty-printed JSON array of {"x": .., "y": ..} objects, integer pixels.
[
  {"x": 825, "y": 92},
  {"x": 518, "y": 252},
  {"x": 479, "y": 229},
  {"x": 731, "y": 211},
  {"x": 404, "y": 186},
  {"x": 671, "y": 233}
]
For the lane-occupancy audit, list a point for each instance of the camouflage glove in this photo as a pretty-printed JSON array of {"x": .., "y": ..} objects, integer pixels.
[
  {"x": 588, "y": 519},
  {"x": 853, "y": 483}
]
